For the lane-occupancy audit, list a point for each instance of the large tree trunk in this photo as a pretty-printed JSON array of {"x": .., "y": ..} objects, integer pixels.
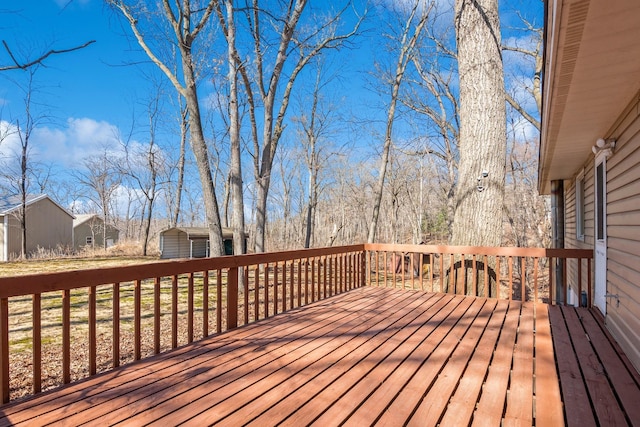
[
  {"x": 481, "y": 172},
  {"x": 478, "y": 216}
]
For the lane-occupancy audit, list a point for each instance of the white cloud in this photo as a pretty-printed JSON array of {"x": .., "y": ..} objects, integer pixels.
[
  {"x": 81, "y": 138},
  {"x": 9, "y": 140}
]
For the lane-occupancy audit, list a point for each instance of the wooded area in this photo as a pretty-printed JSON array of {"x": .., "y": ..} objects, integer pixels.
[{"x": 275, "y": 151}]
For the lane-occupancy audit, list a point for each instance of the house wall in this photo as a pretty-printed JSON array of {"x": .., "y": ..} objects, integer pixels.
[
  {"x": 48, "y": 227},
  {"x": 623, "y": 229},
  {"x": 623, "y": 233}
]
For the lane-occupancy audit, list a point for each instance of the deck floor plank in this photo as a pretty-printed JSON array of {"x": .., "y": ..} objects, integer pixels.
[
  {"x": 463, "y": 402},
  {"x": 237, "y": 373},
  {"x": 621, "y": 378},
  {"x": 435, "y": 354},
  {"x": 602, "y": 397},
  {"x": 369, "y": 356},
  {"x": 313, "y": 377},
  {"x": 577, "y": 405},
  {"x": 311, "y": 389},
  {"x": 295, "y": 363},
  {"x": 520, "y": 399},
  {"x": 435, "y": 402}
]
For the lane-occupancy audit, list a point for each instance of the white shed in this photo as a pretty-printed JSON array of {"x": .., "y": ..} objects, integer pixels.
[{"x": 190, "y": 242}]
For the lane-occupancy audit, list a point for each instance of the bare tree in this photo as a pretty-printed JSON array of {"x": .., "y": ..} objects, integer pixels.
[
  {"x": 101, "y": 180},
  {"x": 293, "y": 46},
  {"x": 187, "y": 22},
  {"x": 417, "y": 18},
  {"x": 143, "y": 165}
]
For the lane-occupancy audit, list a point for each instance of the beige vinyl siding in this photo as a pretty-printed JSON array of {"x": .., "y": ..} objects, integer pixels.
[
  {"x": 571, "y": 240},
  {"x": 48, "y": 227},
  {"x": 623, "y": 234}
]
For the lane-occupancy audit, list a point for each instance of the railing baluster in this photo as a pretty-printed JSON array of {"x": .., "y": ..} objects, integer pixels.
[
  {"x": 552, "y": 295},
  {"x": 256, "y": 292},
  {"x": 219, "y": 301},
  {"x": 245, "y": 293},
  {"x": 174, "y": 311},
  {"x": 487, "y": 283},
  {"x": 66, "y": 336},
  {"x": 523, "y": 279},
  {"x": 156, "y": 315},
  {"x": 589, "y": 282},
  {"x": 4, "y": 348},
  {"x": 92, "y": 330},
  {"x": 284, "y": 286},
  {"x": 115, "y": 325},
  {"x": 291, "y": 283},
  {"x": 510, "y": 266},
  {"x": 474, "y": 272},
  {"x": 190, "y": 313},
  {"x": 266, "y": 290},
  {"x": 579, "y": 282},
  {"x": 275, "y": 288},
  {"x": 37, "y": 342},
  {"x": 564, "y": 281},
  {"x": 536, "y": 263},
  {"x": 137, "y": 318},
  {"x": 205, "y": 303}
]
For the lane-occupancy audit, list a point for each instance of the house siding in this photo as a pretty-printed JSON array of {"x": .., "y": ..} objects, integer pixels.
[
  {"x": 571, "y": 238},
  {"x": 176, "y": 244},
  {"x": 623, "y": 230},
  {"x": 623, "y": 234}
]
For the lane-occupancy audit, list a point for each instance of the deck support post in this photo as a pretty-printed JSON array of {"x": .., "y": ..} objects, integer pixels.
[{"x": 557, "y": 236}]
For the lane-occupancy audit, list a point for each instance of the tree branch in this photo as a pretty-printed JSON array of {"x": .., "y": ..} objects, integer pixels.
[{"x": 23, "y": 66}]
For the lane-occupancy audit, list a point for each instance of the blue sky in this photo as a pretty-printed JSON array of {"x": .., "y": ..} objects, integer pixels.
[{"x": 87, "y": 98}]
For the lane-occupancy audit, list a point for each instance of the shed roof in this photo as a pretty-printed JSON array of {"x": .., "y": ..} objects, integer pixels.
[
  {"x": 8, "y": 204},
  {"x": 200, "y": 232},
  {"x": 82, "y": 218}
]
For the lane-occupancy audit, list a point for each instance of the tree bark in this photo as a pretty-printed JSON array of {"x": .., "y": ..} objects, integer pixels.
[{"x": 480, "y": 199}]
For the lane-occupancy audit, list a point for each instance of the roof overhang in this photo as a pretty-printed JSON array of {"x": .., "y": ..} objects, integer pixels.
[{"x": 591, "y": 74}]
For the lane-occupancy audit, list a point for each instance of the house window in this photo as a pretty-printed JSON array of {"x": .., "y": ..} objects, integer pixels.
[
  {"x": 89, "y": 240},
  {"x": 580, "y": 206}
]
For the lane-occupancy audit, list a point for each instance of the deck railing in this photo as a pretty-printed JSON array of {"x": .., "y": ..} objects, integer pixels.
[
  {"x": 59, "y": 327},
  {"x": 117, "y": 315},
  {"x": 526, "y": 274}
]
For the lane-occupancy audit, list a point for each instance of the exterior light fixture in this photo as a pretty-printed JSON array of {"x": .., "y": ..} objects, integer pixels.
[{"x": 604, "y": 146}]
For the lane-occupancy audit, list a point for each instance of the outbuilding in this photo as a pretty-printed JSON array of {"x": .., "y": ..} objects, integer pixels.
[
  {"x": 191, "y": 242},
  {"x": 89, "y": 231},
  {"x": 48, "y": 226}
]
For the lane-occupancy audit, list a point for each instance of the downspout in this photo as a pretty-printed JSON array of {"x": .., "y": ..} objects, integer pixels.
[{"x": 557, "y": 236}]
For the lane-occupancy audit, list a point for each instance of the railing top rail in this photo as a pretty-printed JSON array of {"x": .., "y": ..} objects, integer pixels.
[
  {"x": 483, "y": 250},
  {"x": 48, "y": 282}
]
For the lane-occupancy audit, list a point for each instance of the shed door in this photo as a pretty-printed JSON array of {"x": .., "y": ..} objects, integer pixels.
[{"x": 600, "y": 300}]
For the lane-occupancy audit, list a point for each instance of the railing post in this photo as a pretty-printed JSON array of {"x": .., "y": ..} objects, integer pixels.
[
  {"x": 232, "y": 298},
  {"x": 4, "y": 348}
]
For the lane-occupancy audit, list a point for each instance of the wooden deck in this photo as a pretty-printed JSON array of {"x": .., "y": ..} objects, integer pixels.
[{"x": 369, "y": 356}]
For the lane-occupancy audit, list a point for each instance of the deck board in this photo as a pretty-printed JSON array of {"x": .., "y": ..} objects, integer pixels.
[{"x": 369, "y": 356}]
